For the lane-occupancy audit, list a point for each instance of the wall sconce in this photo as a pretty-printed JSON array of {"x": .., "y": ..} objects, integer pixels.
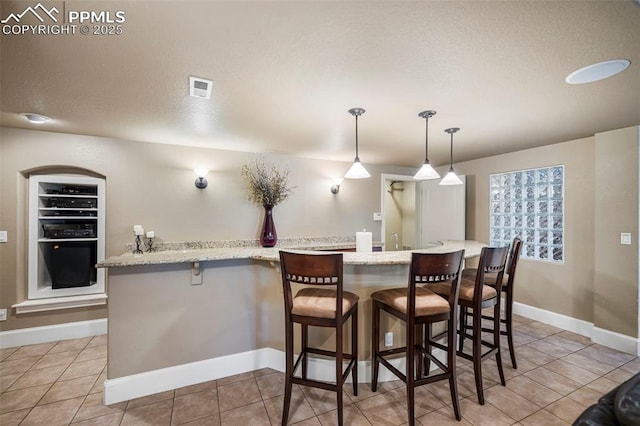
[
  {"x": 201, "y": 182},
  {"x": 335, "y": 188}
]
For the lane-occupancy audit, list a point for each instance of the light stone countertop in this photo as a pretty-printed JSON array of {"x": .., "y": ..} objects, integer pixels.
[{"x": 213, "y": 251}]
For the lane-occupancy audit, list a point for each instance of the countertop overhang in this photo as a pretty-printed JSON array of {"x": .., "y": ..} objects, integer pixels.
[{"x": 208, "y": 251}]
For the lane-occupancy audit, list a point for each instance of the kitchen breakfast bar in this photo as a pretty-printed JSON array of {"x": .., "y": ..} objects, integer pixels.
[{"x": 193, "y": 312}]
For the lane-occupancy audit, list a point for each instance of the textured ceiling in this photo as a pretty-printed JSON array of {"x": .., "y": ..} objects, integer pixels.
[{"x": 285, "y": 74}]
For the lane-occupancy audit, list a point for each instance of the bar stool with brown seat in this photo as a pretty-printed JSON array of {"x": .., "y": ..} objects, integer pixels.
[
  {"x": 317, "y": 305},
  {"x": 477, "y": 295},
  {"x": 508, "y": 281},
  {"x": 418, "y": 307}
]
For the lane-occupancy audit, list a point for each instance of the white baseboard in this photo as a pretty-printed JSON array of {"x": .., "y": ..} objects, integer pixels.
[
  {"x": 52, "y": 333},
  {"x": 564, "y": 322},
  {"x": 615, "y": 340},
  {"x": 151, "y": 382},
  {"x": 611, "y": 339}
]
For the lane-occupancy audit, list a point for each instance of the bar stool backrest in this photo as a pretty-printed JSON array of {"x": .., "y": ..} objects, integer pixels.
[
  {"x": 312, "y": 270},
  {"x": 432, "y": 268},
  {"x": 492, "y": 261},
  {"x": 514, "y": 257}
]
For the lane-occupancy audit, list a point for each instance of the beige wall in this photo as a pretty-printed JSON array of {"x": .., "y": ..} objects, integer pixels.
[
  {"x": 152, "y": 185},
  {"x": 409, "y": 215},
  {"x": 598, "y": 282},
  {"x": 616, "y": 211},
  {"x": 562, "y": 288}
]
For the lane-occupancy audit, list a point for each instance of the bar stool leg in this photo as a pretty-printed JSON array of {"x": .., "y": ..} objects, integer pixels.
[
  {"x": 411, "y": 344},
  {"x": 428, "y": 336},
  {"x": 496, "y": 340},
  {"x": 463, "y": 327},
  {"x": 375, "y": 339},
  {"x": 339, "y": 366},
  {"x": 419, "y": 333},
  {"x": 451, "y": 365},
  {"x": 509, "y": 324},
  {"x": 354, "y": 349},
  {"x": 477, "y": 353},
  {"x": 288, "y": 385},
  {"x": 305, "y": 345}
]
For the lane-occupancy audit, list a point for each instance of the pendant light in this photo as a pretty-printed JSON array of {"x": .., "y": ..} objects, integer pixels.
[
  {"x": 426, "y": 171},
  {"x": 451, "y": 178},
  {"x": 357, "y": 170}
]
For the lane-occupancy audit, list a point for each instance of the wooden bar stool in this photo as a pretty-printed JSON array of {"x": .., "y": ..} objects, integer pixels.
[
  {"x": 508, "y": 281},
  {"x": 320, "y": 306},
  {"x": 418, "y": 307},
  {"x": 478, "y": 294}
]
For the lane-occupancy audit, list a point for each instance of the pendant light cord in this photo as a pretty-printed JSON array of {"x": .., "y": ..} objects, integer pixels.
[
  {"x": 451, "y": 162},
  {"x": 426, "y": 140},
  {"x": 357, "y": 159}
]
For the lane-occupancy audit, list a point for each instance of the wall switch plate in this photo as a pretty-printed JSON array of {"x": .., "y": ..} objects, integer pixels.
[
  {"x": 625, "y": 238},
  {"x": 388, "y": 339},
  {"x": 377, "y": 216},
  {"x": 3, "y": 314},
  {"x": 3, "y": 236}
]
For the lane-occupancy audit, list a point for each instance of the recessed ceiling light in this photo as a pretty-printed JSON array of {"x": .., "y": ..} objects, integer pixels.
[
  {"x": 597, "y": 72},
  {"x": 35, "y": 118}
]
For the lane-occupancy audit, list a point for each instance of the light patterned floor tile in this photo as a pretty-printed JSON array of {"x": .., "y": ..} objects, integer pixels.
[
  {"x": 155, "y": 414},
  {"x": 93, "y": 407},
  {"x": 351, "y": 416},
  {"x": 554, "y": 381},
  {"x": 559, "y": 375},
  {"x": 383, "y": 409},
  {"x": 237, "y": 394},
  {"x": 545, "y": 418},
  {"x": 193, "y": 406},
  {"x": 68, "y": 389},
  {"x": 442, "y": 417},
  {"x": 22, "y": 398},
  {"x": 509, "y": 402},
  {"x": 533, "y": 391},
  {"x": 31, "y": 350},
  {"x": 567, "y": 409},
  {"x": 485, "y": 414},
  {"x": 252, "y": 414},
  {"x": 57, "y": 413}
]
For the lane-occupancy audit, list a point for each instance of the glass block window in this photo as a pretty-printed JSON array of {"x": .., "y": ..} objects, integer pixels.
[{"x": 529, "y": 204}]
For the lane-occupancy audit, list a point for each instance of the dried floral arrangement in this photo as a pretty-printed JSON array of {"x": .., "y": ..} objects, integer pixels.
[{"x": 266, "y": 184}]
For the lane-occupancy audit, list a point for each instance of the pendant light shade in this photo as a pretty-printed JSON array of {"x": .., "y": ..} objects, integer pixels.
[
  {"x": 426, "y": 171},
  {"x": 451, "y": 178},
  {"x": 357, "y": 170}
]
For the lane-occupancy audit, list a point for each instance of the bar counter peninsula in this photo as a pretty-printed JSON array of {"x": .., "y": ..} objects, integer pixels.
[{"x": 193, "y": 312}]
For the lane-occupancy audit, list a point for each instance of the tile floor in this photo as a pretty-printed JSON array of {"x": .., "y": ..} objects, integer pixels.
[{"x": 559, "y": 374}]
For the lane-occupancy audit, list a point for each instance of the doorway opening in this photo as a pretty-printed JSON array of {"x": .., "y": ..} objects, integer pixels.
[{"x": 399, "y": 218}]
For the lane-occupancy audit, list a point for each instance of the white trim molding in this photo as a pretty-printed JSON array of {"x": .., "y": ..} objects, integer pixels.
[
  {"x": 151, "y": 382},
  {"x": 55, "y": 303},
  {"x": 564, "y": 322},
  {"x": 615, "y": 340},
  {"x": 611, "y": 339},
  {"x": 52, "y": 333}
]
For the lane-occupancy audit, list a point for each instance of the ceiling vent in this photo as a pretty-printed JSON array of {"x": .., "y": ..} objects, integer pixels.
[{"x": 200, "y": 88}]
